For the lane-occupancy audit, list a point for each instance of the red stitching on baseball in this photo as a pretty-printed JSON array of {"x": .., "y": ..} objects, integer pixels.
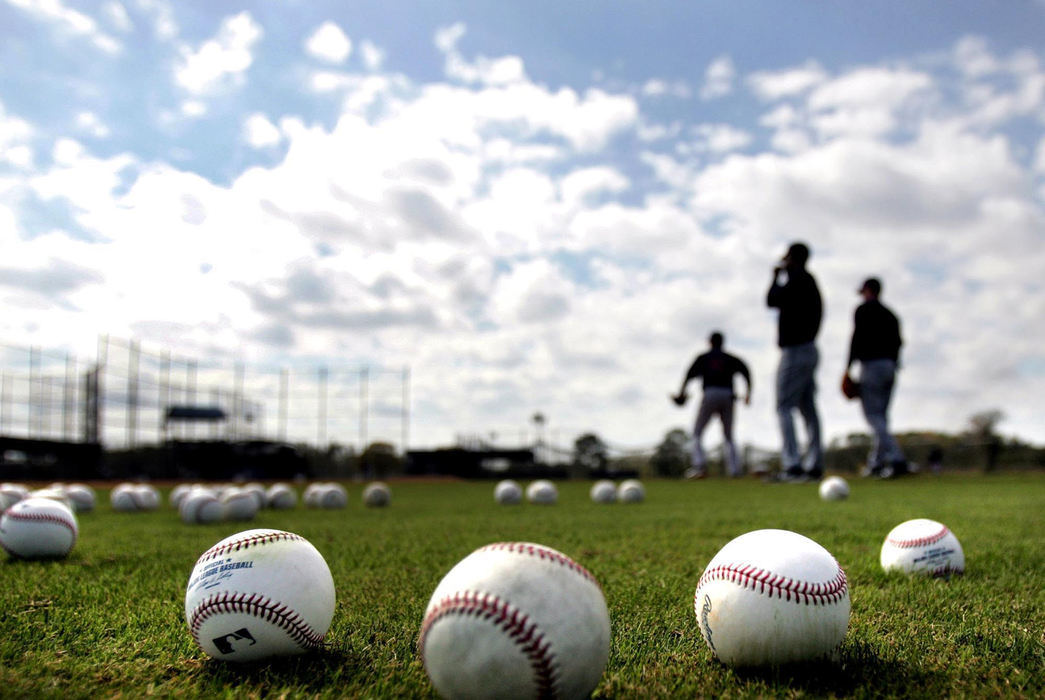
[
  {"x": 511, "y": 620},
  {"x": 252, "y": 541},
  {"x": 46, "y": 517},
  {"x": 770, "y": 584},
  {"x": 920, "y": 541},
  {"x": 541, "y": 553},
  {"x": 258, "y": 606}
]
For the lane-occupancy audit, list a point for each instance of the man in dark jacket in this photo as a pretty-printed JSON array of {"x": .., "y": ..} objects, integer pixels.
[
  {"x": 795, "y": 293},
  {"x": 717, "y": 368},
  {"x": 876, "y": 346}
]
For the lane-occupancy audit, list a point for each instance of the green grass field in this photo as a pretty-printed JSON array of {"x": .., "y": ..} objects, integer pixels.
[{"x": 108, "y": 620}]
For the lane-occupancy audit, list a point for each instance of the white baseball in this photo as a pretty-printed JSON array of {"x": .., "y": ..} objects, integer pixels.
[
  {"x": 238, "y": 504},
  {"x": 922, "y": 546},
  {"x": 542, "y": 492},
  {"x": 259, "y": 594},
  {"x": 377, "y": 495},
  {"x": 771, "y": 597},
  {"x": 516, "y": 620},
  {"x": 258, "y": 492},
  {"x": 332, "y": 495},
  {"x": 177, "y": 493},
  {"x": 603, "y": 491},
  {"x": 82, "y": 496},
  {"x": 834, "y": 488},
  {"x": 281, "y": 497},
  {"x": 55, "y": 493},
  {"x": 38, "y": 528},
  {"x": 200, "y": 506},
  {"x": 310, "y": 496},
  {"x": 11, "y": 494},
  {"x": 508, "y": 492},
  {"x": 122, "y": 498},
  {"x": 146, "y": 496},
  {"x": 631, "y": 491}
]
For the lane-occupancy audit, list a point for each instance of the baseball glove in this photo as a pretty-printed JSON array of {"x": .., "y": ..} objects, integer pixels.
[{"x": 850, "y": 387}]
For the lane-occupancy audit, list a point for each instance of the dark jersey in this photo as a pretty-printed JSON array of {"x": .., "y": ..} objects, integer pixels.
[
  {"x": 717, "y": 367},
  {"x": 876, "y": 333},
  {"x": 801, "y": 308}
]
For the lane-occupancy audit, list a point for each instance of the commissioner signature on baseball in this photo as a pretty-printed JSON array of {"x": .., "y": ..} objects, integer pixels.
[{"x": 704, "y": 613}]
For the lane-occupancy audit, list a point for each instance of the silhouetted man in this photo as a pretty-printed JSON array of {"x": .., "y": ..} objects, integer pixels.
[
  {"x": 717, "y": 368},
  {"x": 876, "y": 346},
  {"x": 795, "y": 293}
]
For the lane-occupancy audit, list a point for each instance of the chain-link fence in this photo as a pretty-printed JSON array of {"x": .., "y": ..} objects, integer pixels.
[{"x": 128, "y": 396}]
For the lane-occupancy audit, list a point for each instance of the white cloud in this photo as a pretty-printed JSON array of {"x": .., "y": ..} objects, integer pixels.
[
  {"x": 15, "y": 140},
  {"x": 85, "y": 181},
  {"x": 533, "y": 292},
  {"x": 221, "y": 60},
  {"x": 164, "y": 23},
  {"x": 774, "y": 85},
  {"x": 590, "y": 182},
  {"x": 446, "y": 38},
  {"x": 869, "y": 86},
  {"x": 92, "y": 125},
  {"x": 193, "y": 109},
  {"x": 504, "y": 70},
  {"x": 70, "y": 21},
  {"x": 373, "y": 56},
  {"x": 718, "y": 78},
  {"x": 1039, "y": 161},
  {"x": 657, "y": 87},
  {"x": 973, "y": 57},
  {"x": 329, "y": 43},
  {"x": 117, "y": 16},
  {"x": 721, "y": 138},
  {"x": 259, "y": 132}
]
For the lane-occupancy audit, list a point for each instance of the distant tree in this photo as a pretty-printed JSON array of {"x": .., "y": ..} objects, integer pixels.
[
  {"x": 671, "y": 457},
  {"x": 379, "y": 460},
  {"x": 983, "y": 428},
  {"x": 985, "y": 423},
  {"x": 590, "y": 453}
]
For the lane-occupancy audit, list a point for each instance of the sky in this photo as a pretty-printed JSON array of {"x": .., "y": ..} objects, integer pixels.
[{"x": 539, "y": 206}]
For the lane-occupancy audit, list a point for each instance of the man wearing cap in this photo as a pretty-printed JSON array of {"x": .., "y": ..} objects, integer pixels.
[
  {"x": 716, "y": 367},
  {"x": 876, "y": 346},
  {"x": 795, "y": 293}
]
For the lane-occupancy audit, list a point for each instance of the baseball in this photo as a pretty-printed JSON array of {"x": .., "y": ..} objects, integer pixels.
[
  {"x": 508, "y": 492},
  {"x": 332, "y": 495},
  {"x": 376, "y": 495},
  {"x": 146, "y": 496},
  {"x": 238, "y": 504},
  {"x": 177, "y": 494},
  {"x": 258, "y": 492},
  {"x": 631, "y": 491},
  {"x": 11, "y": 494},
  {"x": 82, "y": 497},
  {"x": 922, "y": 546},
  {"x": 603, "y": 491},
  {"x": 259, "y": 594},
  {"x": 200, "y": 506},
  {"x": 542, "y": 492},
  {"x": 516, "y": 620},
  {"x": 834, "y": 488},
  {"x": 771, "y": 597},
  {"x": 281, "y": 497},
  {"x": 310, "y": 496},
  {"x": 122, "y": 498},
  {"x": 38, "y": 528}
]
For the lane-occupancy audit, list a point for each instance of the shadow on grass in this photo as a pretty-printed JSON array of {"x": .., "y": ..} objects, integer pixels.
[
  {"x": 309, "y": 672},
  {"x": 859, "y": 669}
]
